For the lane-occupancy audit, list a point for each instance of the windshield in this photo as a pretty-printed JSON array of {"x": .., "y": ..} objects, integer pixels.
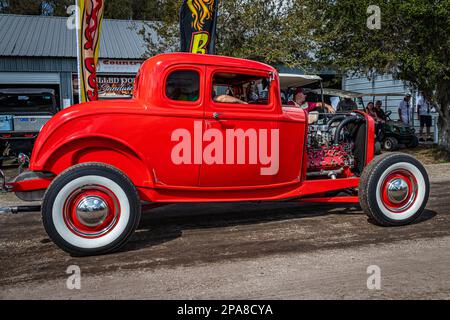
[{"x": 19, "y": 103}]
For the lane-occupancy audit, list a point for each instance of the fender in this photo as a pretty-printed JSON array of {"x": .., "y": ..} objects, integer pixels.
[
  {"x": 71, "y": 137},
  {"x": 84, "y": 148}
]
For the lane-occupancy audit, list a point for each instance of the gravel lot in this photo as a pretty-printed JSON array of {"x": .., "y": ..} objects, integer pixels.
[{"x": 216, "y": 251}]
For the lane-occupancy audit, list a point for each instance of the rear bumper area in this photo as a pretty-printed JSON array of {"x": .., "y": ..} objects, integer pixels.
[{"x": 25, "y": 185}]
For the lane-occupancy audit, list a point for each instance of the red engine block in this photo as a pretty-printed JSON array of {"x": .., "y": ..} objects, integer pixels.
[{"x": 329, "y": 158}]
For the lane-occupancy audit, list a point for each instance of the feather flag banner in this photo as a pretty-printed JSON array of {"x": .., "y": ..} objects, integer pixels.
[
  {"x": 198, "y": 20},
  {"x": 89, "y": 21}
]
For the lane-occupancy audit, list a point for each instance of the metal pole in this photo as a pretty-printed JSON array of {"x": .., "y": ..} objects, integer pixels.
[
  {"x": 78, "y": 41},
  {"x": 212, "y": 44},
  {"x": 436, "y": 132}
]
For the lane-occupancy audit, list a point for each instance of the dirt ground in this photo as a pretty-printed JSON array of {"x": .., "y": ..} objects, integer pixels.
[{"x": 237, "y": 251}]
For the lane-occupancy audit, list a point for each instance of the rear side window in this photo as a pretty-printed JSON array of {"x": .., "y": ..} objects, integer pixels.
[{"x": 183, "y": 85}]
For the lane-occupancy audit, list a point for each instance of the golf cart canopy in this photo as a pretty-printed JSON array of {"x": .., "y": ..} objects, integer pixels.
[
  {"x": 388, "y": 94},
  {"x": 354, "y": 94},
  {"x": 289, "y": 80},
  {"x": 339, "y": 93}
]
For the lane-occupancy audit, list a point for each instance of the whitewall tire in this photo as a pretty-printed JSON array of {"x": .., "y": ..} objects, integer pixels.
[
  {"x": 394, "y": 189},
  {"x": 91, "y": 209}
]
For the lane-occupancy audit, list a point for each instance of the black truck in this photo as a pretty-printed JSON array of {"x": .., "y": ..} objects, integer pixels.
[{"x": 23, "y": 112}]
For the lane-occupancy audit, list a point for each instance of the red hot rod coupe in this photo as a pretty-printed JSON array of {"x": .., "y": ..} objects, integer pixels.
[{"x": 205, "y": 129}]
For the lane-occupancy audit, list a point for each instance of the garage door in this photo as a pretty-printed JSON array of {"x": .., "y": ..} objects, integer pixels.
[{"x": 29, "y": 78}]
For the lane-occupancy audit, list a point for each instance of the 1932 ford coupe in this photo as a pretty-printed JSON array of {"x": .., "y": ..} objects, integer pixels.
[{"x": 205, "y": 129}]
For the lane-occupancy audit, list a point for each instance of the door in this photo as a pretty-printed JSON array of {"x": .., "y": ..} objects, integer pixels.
[
  {"x": 173, "y": 132},
  {"x": 241, "y": 138}
]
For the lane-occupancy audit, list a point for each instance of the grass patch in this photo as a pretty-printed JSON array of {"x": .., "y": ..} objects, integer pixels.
[{"x": 430, "y": 154}]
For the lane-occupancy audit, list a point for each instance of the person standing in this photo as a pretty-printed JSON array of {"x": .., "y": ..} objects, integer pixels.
[
  {"x": 404, "y": 109},
  {"x": 370, "y": 110},
  {"x": 424, "y": 115}
]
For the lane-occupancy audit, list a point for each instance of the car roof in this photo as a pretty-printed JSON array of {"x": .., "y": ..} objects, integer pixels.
[
  {"x": 291, "y": 80},
  {"x": 206, "y": 59}
]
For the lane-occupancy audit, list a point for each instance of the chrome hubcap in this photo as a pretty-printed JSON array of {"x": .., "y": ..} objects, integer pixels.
[
  {"x": 398, "y": 190},
  {"x": 92, "y": 211}
]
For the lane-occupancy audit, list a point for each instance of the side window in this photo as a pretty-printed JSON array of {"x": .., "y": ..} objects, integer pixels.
[
  {"x": 183, "y": 85},
  {"x": 241, "y": 89}
]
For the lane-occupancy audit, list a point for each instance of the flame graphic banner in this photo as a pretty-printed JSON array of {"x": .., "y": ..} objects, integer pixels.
[
  {"x": 198, "y": 25},
  {"x": 90, "y": 16}
]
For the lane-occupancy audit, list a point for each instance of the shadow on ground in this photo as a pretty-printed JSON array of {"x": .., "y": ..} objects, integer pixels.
[{"x": 168, "y": 223}]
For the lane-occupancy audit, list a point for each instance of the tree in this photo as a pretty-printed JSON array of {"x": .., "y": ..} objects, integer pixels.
[
  {"x": 32, "y": 7},
  {"x": 23, "y": 7},
  {"x": 133, "y": 9},
  {"x": 255, "y": 29},
  {"x": 147, "y": 10},
  {"x": 413, "y": 43},
  {"x": 114, "y": 9}
]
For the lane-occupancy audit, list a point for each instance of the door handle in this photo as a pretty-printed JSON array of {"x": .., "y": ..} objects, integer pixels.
[
  {"x": 217, "y": 115},
  {"x": 223, "y": 123},
  {"x": 227, "y": 125}
]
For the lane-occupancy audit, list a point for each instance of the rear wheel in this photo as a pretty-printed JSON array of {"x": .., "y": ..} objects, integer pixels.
[
  {"x": 91, "y": 209},
  {"x": 414, "y": 143},
  {"x": 390, "y": 144},
  {"x": 394, "y": 189}
]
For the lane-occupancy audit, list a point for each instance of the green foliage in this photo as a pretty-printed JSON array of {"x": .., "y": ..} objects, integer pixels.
[
  {"x": 413, "y": 44},
  {"x": 260, "y": 30},
  {"x": 118, "y": 9},
  {"x": 114, "y": 9},
  {"x": 133, "y": 9},
  {"x": 32, "y": 7}
]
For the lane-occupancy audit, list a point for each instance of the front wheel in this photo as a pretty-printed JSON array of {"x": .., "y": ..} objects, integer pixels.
[
  {"x": 91, "y": 209},
  {"x": 394, "y": 189}
]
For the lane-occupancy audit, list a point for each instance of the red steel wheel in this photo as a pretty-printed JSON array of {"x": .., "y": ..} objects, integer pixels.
[
  {"x": 91, "y": 211},
  {"x": 399, "y": 191}
]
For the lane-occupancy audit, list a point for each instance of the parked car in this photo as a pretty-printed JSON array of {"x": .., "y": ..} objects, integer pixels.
[
  {"x": 205, "y": 128},
  {"x": 23, "y": 112}
]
